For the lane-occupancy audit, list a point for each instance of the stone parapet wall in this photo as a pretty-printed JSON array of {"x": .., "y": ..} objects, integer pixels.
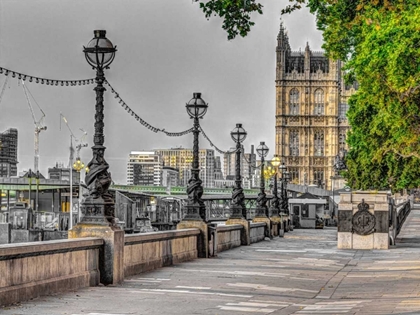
[
  {"x": 29, "y": 270},
  {"x": 228, "y": 236},
  {"x": 349, "y": 236},
  {"x": 257, "y": 232},
  {"x": 148, "y": 251}
]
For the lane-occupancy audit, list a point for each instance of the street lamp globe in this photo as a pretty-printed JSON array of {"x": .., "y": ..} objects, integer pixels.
[
  {"x": 196, "y": 107},
  {"x": 78, "y": 165},
  {"x": 238, "y": 134},
  {"x": 262, "y": 149},
  {"x": 275, "y": 161},
  {"x": 100, "y": 52}
]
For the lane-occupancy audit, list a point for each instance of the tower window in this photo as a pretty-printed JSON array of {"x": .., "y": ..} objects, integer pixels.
[
  {"x": 319, "y": 102},
  {"x": 294, "y": 143},
  {"x": 319, "y": 143},
  {"x": 294, "y": 102},
  {"x": 319, "y": 177}
]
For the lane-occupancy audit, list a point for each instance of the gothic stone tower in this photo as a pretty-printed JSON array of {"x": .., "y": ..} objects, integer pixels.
[{"x": 311, "y": 123}]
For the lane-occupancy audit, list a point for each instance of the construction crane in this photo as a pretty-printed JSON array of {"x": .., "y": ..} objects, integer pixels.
[
  {"x": 39, "y": 124},
  {"x": 81, "y": 144},
  {"x": 71, "y": 158}
]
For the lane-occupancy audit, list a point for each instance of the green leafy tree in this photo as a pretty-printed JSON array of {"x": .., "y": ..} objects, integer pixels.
[
  {"x": 379, "y": 41},
  {"x": 384, "y": 113},
  {"x": 236, "y": 14}
]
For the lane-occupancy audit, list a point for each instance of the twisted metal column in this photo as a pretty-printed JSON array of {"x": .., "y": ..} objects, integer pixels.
[
  {"x": 196, "y": 210},
  {"x": 284, "y": 198},
  {"x": 275, "y": 204},
  {"x": 99, "y": 202},
  {"x": 238, "y": 197},
  {"x": 262, "y": 209}
]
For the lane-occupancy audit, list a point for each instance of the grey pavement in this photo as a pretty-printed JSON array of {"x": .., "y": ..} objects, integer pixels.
[{"x": 302, "y": 273}]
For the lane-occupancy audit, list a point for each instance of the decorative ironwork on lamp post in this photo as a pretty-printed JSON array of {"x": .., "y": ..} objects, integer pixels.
[
  {"x": 275, "y": 203},
  {"x": 339, "y": 165},
  {"x": 196, "y": 210},
  {"x": 238, "y": 199},
  {"x": 99, "y": 206},
  {"x": 285, "y": 176},
  {"x": 78, "y": 165},
  {"x": 262, "y": 209}
]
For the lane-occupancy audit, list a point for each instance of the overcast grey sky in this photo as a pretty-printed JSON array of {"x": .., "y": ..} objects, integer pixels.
[{"x": 166, "y": 51}]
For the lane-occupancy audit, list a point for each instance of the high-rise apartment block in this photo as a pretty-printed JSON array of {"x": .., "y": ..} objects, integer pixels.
[
  {"x": 144, "y": 168},
  {"x": 248, "y": 163},
  {"x": 8, "y": 153},
  {"x": 311, "y": 106},
  {"x": 181, "y": 159}
]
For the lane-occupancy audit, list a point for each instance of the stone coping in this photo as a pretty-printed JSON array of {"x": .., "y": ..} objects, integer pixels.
[
  {"x": 258, "y": 224},
  {"x": 231, "y": 227},
  {"x": 366, "y": 192},
  {"x": 159, "y": 236},
  {"x": 22, "y": 250}
]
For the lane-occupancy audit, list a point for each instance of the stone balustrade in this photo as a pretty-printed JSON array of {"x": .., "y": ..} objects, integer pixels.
[
  {"x": 29, "y": 270},
  {"x": 148, "y": 251}
]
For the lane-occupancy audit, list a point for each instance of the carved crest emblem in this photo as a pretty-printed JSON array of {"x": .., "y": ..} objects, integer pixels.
[{"x": 363, "y": 221}]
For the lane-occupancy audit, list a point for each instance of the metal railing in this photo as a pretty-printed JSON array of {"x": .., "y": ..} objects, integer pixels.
[{"x": 402, "y": 213}]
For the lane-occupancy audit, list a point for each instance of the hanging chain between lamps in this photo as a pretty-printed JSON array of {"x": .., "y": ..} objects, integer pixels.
[
  {"x": 216, "y": 148},
  {"x": 143, "y": 122},
  {"x": 52, "y": 82}
]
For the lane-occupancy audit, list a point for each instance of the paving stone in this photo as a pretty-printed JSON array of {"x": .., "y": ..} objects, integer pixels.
[{"x": 302, "y": 273}]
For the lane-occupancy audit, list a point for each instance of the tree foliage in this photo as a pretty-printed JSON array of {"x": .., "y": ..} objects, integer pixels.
[
  {"x": 236, "y": 14},
  {"x": 379, "y": 41},
  {"x": 384, "y": 113}
]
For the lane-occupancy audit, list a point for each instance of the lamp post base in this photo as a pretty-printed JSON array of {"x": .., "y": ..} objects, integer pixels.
[
  {"x": 260, "y": 212},
  {"x": 98, "y": 211},
  {"x": 236, "y": 212},
  {"x": 273, "y": 212},
  {"x": 193, "y": 213}
]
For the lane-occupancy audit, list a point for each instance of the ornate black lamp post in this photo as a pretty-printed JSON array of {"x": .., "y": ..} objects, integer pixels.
[
  {"x": 196, "y": 210},
  {"x": 238, "y": 199},
  {"x": 285, "y": 176},
  {"x": 99, "y": 206},
  {"x": 275, "y": 204},
  {"x": 262, "y": 209},
  {"x": 339, "y": 165}
]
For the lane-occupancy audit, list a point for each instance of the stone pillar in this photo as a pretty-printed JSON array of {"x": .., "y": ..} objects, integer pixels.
[
  {"x": 363, "y": 221},
  {"x": 203, "y": 238},
  {"x": 276, "y": 223},
  {"x": 267, "y": 222},
  {"x": 111, "y": 259},
  {"x": 245, "y": 233},
  {"x": 5, "y": 233}
]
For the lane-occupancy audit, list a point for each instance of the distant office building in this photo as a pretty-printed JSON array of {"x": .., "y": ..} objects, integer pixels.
[
  {"x": 218, "y": 172},
  {"x": 181, "y": 159},
  {"x": 144, "y": 168},
  {"x": 170, "y": 177},
  {"x": 59, "y": 172},
  {"x": 8, "y": 153},
  {"x": 248, "y": 163}
]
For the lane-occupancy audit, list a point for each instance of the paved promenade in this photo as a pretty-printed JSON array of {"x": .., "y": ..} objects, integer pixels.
[{"x": 302, "y": 273}]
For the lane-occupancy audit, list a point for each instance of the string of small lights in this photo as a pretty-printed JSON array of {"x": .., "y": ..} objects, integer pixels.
[
  {"x": 143, "y": 122},
  {"x": 52, "y": 82}
]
